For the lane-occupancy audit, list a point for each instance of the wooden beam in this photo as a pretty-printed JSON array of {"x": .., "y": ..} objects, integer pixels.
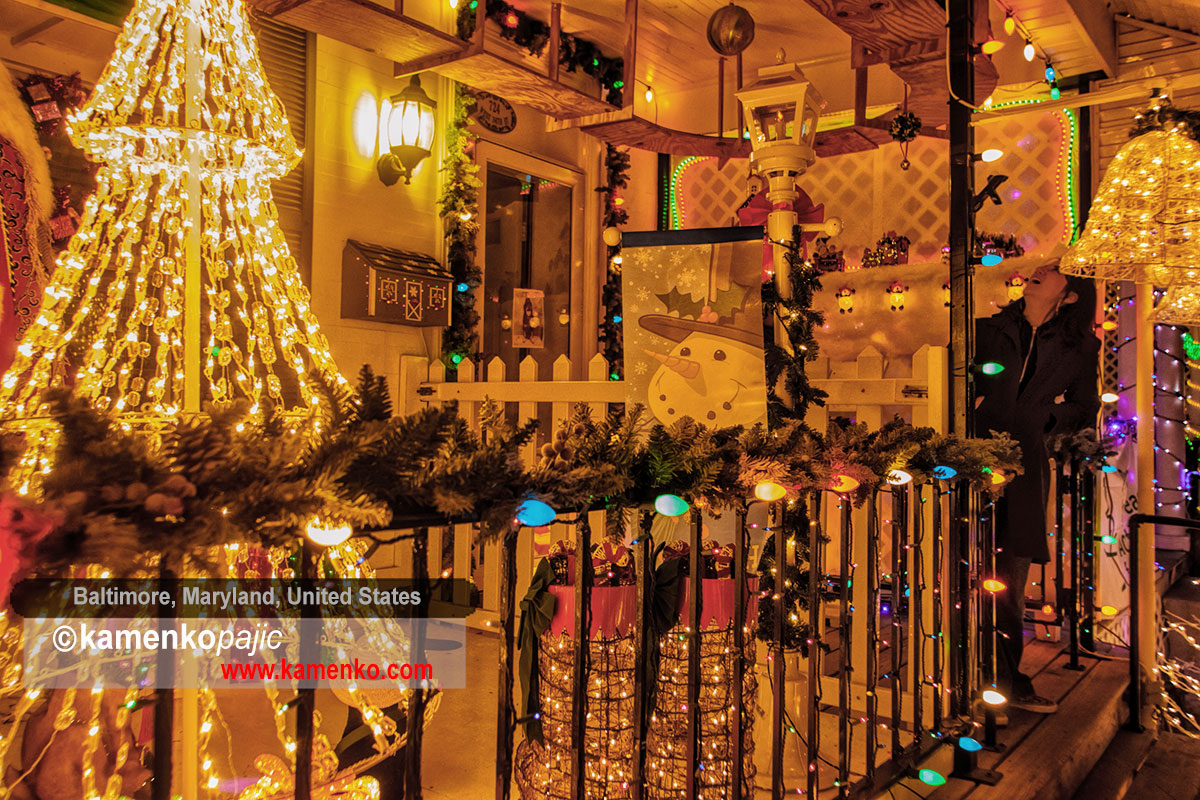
[
  {"x": 68, "y": 14},
  {"x": 32, "y": 31},
  {"x": 1154, "y": 27},
  {"x": 861, "y": 56},
  {"x": 860, "y": 95},
  {"x": 630, "y": 75},
  {"x": 1137, "y": 90},
  {"x": 555, "y": 38},
  {"x": 1096, "y": 29}
]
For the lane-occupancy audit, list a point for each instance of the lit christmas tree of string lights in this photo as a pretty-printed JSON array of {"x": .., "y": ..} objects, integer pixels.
[{"x": 178, "y": 289}]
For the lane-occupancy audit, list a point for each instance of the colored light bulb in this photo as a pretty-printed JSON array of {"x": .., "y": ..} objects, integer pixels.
[
  {"x": 535, "y": 513},
  {"x": 931, "y": 777},
  {"x": 328, "y": 536},
  {"x": 843, "y": 484},
  {"x": 769, "y": 491},
  {"x": 670, "y": 505}
]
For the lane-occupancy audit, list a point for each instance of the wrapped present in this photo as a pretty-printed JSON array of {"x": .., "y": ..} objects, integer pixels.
[
  {"x": 612, "y": 564},
  {"x": 717, "y": 560}
]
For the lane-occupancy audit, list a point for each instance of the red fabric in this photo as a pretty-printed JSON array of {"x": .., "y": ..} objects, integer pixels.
[
  {"x": 756, "y": 211},
  {"x": 21, "y": 296},
  {"x": 614, "y": 608}
]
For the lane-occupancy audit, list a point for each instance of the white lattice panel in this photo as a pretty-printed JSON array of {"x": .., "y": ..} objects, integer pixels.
[
  {"x": 1033, "y": 207},
  {"x": 915, "y": 202},
  {"x": 872, "y": 195},
  {"x": 846, "y": 185},
  {"x": 708, "y": 196}
]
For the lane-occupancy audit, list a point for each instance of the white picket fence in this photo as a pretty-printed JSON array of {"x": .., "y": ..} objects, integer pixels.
[{"x": 868, "y": 389}]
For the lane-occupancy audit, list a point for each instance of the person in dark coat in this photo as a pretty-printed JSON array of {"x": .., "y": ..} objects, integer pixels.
[{"x": 1047, "y": 347}]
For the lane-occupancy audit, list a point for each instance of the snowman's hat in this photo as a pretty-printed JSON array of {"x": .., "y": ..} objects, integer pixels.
[{"x": 677, "y": 329}]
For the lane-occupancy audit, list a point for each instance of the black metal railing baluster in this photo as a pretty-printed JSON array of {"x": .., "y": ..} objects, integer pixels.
[
  {"x": 915, "y": 620},
  {"x": 1087, "y": 540},
  {"x": 815, "y": 617},
  {"x": 779, "y": 519},
  {"x": 872, "y": 612},
  {"x": 695, "y": 596},
  {"x": 1076, "y": 569},
  {"x": 642, "y": 645},
  {"x": 505, "y": 712},
  {"x": 899, "y": 554},
  {"x": 739, "y": 653},
  {"x": 579, "y": 696},
  {"x": 938, "y": 610},
  {"x": 418, "y": 694},
  {"x": 846, "y": 668}
]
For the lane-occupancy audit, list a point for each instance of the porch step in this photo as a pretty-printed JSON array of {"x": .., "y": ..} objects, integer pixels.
[
  {"x": 1048, "y": 757},
  {"x": 1113, "y": 776},
  {"x": 1169, "y": 772}
]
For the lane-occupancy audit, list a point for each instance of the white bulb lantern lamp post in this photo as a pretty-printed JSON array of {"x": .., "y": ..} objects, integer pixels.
[{"x": 782, "y": 108}]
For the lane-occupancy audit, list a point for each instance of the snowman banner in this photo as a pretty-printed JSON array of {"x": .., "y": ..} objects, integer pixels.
[{"x": 693, "y": 325}]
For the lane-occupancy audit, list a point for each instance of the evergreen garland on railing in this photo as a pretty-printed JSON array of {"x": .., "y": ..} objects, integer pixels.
[
  {"x": 459, "y": 209},
  {"x": 616, "y": 167},
  {"x": 530, "y": 33}
]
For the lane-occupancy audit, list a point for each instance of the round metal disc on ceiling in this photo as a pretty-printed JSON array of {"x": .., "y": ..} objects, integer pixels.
[{"x": 730, "y": 30}]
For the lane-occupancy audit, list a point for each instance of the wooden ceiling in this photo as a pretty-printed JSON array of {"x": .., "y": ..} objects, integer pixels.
[{"x": 673, "y": 53}]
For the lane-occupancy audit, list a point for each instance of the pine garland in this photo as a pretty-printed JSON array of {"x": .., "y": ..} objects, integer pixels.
[
  {"x": 225, "y": 477},
  {"x": 616, "y": 167},
  {"x": 459, "y": 208}
]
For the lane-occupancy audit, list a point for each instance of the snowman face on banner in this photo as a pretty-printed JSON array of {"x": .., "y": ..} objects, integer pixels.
[{"x": 707, "y": 378}]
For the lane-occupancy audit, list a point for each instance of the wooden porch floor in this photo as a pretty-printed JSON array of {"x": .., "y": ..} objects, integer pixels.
[{"x": 1047, "y": 757}]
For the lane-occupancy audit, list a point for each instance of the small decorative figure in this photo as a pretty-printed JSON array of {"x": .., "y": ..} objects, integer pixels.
[{"x": 845, "y": 300}]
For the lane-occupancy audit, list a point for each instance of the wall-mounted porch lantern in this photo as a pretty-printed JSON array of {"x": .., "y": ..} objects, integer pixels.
[{"x": 410, "y": 134}]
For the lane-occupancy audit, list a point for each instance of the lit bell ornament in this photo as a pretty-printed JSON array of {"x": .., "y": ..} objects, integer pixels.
[{"x": 612, "y": 236}]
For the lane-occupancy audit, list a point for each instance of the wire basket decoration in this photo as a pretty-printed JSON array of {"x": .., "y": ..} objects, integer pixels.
[{"x": 666, "y": 744}]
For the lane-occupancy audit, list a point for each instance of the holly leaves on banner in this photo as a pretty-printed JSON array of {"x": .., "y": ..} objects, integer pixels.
[{"x": 726, "y": 303}]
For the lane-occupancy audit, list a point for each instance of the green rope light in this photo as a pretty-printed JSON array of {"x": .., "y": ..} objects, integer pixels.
[
  {"x": 1069, "y": 189},
  {"x": 676, "y": 174},
  {"x": 1191, "y": 346}
]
